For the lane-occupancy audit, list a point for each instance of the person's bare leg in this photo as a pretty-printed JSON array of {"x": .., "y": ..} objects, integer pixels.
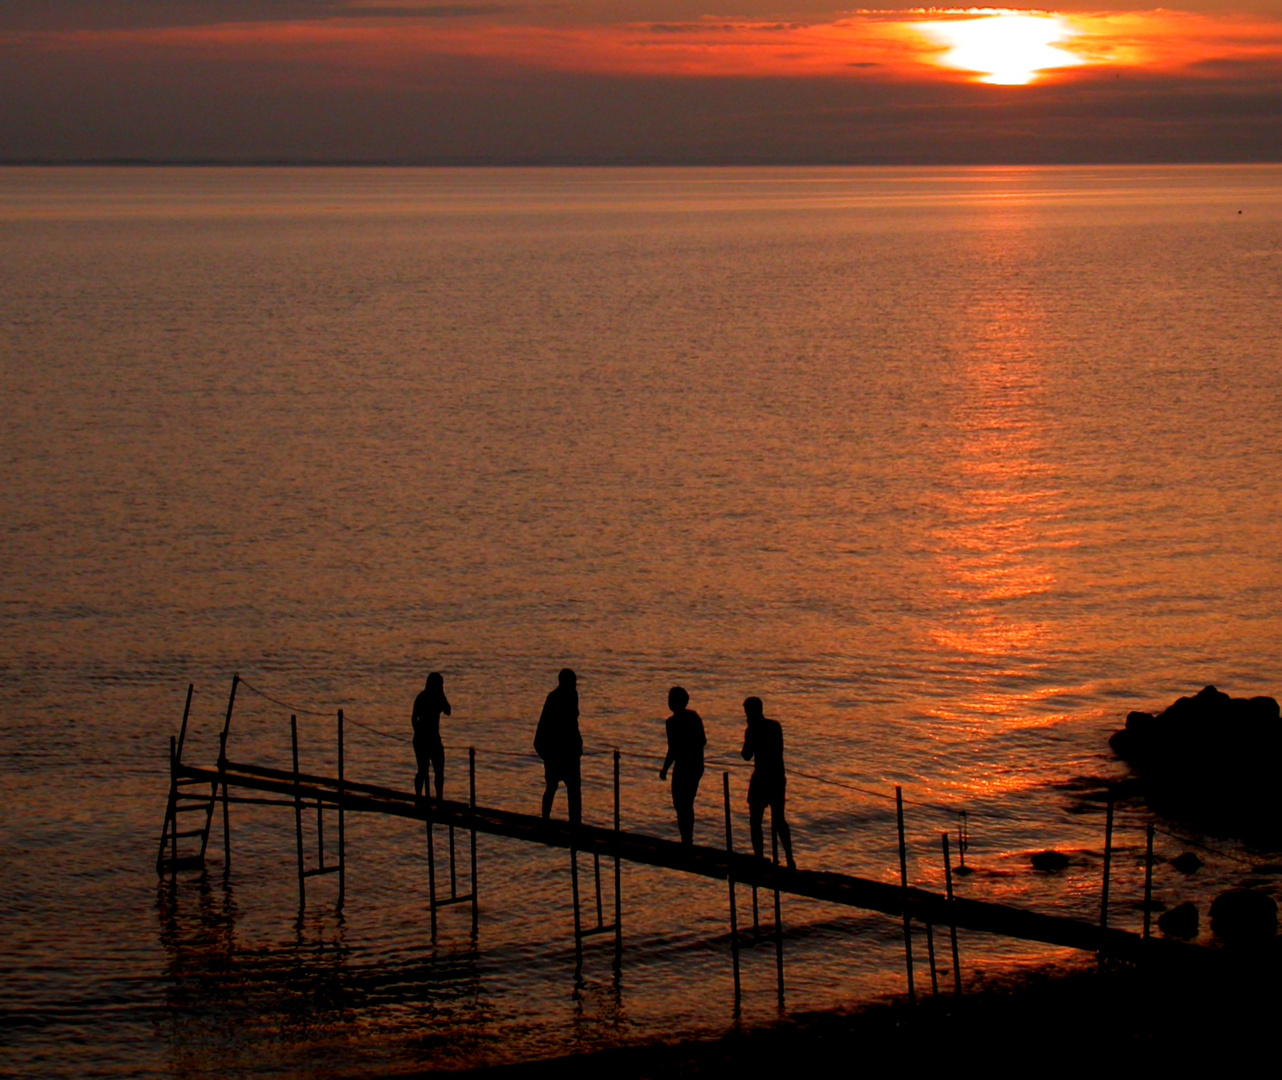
[
  {"x": 783, "y": 832},
  {"x": 574, "y": 795},
  {"x": 549, "y": 793},
  {"x": 755, "y": 814},
  {"x": 438, "y": 767}
]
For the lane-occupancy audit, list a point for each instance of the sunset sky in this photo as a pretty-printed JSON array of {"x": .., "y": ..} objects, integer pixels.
[{"x": 637, "y": 81}]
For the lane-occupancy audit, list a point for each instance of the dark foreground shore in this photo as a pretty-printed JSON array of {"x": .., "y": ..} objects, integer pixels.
[{"x": 1082, "y": 1021}]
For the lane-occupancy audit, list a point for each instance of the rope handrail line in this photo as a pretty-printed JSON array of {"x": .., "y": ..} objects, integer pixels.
[
  {"x": 376, "y": 731},
  {"x": 283, "y": 704},
  {"x": 721, "y": 762}
]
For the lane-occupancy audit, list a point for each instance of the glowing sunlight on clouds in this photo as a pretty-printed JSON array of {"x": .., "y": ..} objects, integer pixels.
[{"x": 1005, "y": 48}]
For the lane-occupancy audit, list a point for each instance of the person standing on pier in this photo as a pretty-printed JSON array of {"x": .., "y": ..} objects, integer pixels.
[
  {"x": 763, "y": 741},
  {"x": 428, "y": 748},
  {"x": 686, "y": 741},
  {"x": 558, "y": 742}
]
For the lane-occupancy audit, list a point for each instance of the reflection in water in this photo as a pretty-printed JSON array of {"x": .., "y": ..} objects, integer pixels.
[
  {"x": 229, "y": 1006},
  {"x": 991, "y": 540}
]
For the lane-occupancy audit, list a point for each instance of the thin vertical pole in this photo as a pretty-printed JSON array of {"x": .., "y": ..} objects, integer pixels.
[
  {"x": 1108, "y": 864},
  {"x": 952, "y": 916},
  {"x": 431, "y": 864},
  {"x": 320, "y": 834},
  {"x": 963, "y": 839},
  {"x": 1148, "y": 879},
  {"x": 756, "y": 917},
  {"x": 618, "y": 876},
  {"x": 596, "y": 870},
  {"x": 734, "y": 918},
  {"x": 574, "y": 890},
  {"x": 231, "y": 702},
  {"x": 222, "y": 768},
  {"x": 930, "y": 956},
  {"x": 342, "y": 837},
  {"x": 471, "y": 802},
  {"x": 453, "y": 876},
  {"x": 298, "y": 815},
  {"x": 903, "y": 880},
  {"x": 171, "y": 814},
  {"x": 774, "y": 849},
  {"x": 182, "y": 732}
]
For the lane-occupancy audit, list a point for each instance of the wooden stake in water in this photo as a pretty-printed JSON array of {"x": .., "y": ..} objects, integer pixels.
[
  {"x": 1108, "y": 864},
  {"x": 342, "y": 835},
  {"x": 774, "y": 848},
  {"x": 952, "y": 915},
  {"x": 734, "y": 919},
  {"x": 471, "y": 802},
  {"x": 1148, "y": 879},
  {"x": 618, "y": 875},
  {"x": 298, "y": 815},
  {"x": 222, "y": 768},
  {"x": 903, "y": 879}
]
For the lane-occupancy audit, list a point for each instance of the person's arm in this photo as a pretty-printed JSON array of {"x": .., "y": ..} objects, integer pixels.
[
  {"x": 703, "y": 735},
  {"x": 669, "y": 759},
  {"x": 748, "y": 748},
  {"x": 445, "y": 705}
]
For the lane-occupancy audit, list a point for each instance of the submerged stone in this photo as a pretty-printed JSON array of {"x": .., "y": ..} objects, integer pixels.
[
  {"x": 1188, "y": 863},
  {"x": 1049, "y": 860}
]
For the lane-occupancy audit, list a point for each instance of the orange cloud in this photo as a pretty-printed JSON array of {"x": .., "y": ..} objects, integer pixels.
[{"x": 885, "y": 45}]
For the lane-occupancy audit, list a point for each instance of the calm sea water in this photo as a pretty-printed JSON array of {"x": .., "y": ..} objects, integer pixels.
[{"x": 952, "y": 467}]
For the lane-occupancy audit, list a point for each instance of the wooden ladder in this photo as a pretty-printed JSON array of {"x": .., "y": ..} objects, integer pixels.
[{"x": 183, "y": 800}]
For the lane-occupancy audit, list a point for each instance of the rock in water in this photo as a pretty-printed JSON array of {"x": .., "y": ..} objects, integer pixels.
[
  {"x": 1179, "y": 922},
  {"x": 1209, "y": 759},
  {"x": 1188, "y": 863},
  {"x": 1244, "y": 917},
  {"x": 1049, "y": 860}
]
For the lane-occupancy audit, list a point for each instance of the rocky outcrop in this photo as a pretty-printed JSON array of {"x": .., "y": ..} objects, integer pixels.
[
  {"x": 1210, "y": 759},
  {"x": 1244, "y": 917}
]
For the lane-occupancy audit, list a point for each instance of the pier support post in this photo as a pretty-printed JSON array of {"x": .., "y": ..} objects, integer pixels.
[
  {"x": 930, "y": 957},
  {"x": 222, "y": 768},
  {"x": 734, "y": 919},
  {"x": 1148, "y": 879},
  {"x": 298, "y": 815},
  {"x": 342, "y": 835},
  {"x": 1108, "y": 866},
  {"x": 578, "y": 917},
  {"x": 471, "y": 803},
  {"x": 431, "y": 860},
  {"x": 618, "y": 875},
  {"x": 182, "y": 731},
  {"x": 952, "y": 915},
  {"x": 903, "y": 879},
  {"x": 171, "y": 815},
  {"x": 774, "y": 850}
]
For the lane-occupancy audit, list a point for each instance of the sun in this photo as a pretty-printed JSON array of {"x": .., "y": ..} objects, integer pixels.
[{"x": 1006, "y": 48}]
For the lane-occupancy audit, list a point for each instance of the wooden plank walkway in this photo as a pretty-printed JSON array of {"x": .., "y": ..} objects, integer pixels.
[{"x": 836, "y": 888}]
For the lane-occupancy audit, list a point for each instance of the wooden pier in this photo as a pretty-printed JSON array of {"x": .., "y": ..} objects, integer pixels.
[{"x": 201, "y": 789}]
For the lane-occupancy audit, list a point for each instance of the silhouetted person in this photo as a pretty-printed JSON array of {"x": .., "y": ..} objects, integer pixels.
[
  {"x": 428, "y": 748},
  {"x": 763, "y": 741},
  {"x": 558, "y": 742},
  {"x": 686, "y": 741}
]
